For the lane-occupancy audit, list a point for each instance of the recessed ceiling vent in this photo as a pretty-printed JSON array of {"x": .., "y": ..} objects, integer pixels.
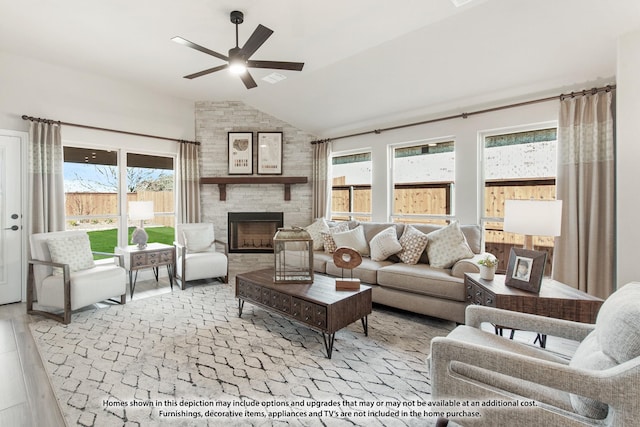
[
  {"x": 274, "y": 78},
  {"x": 460, "y": 3}
]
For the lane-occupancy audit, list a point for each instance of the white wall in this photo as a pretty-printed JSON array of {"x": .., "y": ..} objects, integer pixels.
[
  {"x": 628, "y": 158},
  {"x": 43, "y": 90},
  {"x": 465, "y": 132}
]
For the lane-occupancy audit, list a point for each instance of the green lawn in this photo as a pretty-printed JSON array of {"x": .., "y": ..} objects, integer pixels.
[{"x": 106, "y": 240}]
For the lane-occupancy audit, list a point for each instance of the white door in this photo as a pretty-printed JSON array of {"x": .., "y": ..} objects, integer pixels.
[{"x": 11, "y": 220}]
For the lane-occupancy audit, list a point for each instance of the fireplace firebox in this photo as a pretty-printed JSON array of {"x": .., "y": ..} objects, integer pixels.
[{"x": 252, "y": 232}]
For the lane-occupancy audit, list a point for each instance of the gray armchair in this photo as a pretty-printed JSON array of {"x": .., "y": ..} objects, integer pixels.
[{"x": 598, "y": 386}]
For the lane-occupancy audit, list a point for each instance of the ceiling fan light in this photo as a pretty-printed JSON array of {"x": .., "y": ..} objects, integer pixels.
[{"x": 237, "y": 67}]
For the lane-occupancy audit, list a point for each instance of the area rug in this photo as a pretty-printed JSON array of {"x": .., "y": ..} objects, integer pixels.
[{"x": 186, "y": 358}]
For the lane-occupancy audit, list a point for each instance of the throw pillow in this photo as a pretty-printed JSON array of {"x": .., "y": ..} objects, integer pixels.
[
  {"x": 352, "y": 239},
  {"x": 315, "y": 230},
  {"x": 413, "y": 242},
  {"x": 327, "y": 237},
  {"x": 447, "y": 246},
  {"x": 384, "y": 244},
  {"x": 618, "y": 324},
  {"x": 197, "y": 239},
  {"x": 589, "y": 355},
  {"x": 72, "y": 250}
]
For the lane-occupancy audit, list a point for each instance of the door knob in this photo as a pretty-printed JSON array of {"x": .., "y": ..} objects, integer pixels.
[
  {"x": 14, "y": 216},
  {"x": 13, "y": 227}
]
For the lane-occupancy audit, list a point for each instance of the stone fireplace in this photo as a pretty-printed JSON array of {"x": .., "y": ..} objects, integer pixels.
[
  {"x": 252, "y": 232},
  {"x": 214, "y": 120}
]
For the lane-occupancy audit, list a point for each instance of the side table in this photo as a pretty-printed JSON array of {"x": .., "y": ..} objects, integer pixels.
[
  {"x": 555, "y": 299},
  {"x": 153, "y": 256}
]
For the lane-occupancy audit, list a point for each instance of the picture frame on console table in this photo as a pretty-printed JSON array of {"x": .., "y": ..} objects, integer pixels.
[
  {"x": 270, "y": 153},
  {"x": 240, "y": 153},
  {"x": 525, "y": 269}
]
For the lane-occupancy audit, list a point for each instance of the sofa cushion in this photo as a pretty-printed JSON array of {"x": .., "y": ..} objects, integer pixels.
[
  {"x": 327, "y": 236},
  {"x": 447, "y": 246},
  {"x": 315, "y": 230},
  {"x": 422, "y": 279},
  {"x": 72, "y": 250},
  {"x": 618, "y": 324},
  {"x": 320, "y": 260},
  {"x": 352, "y": 239},
  {"x": 413, "y": 243},
  {"x": 367, "y": 272},
  {"x": 384, "y": 244},
  {"x": 589, "y": 355}
]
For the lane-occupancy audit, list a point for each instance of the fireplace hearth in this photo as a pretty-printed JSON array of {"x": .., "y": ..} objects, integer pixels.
[{"x": 252, "y": 232}]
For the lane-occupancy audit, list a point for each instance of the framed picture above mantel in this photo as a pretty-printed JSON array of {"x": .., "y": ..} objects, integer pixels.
[
  {"x": 270, "y": 153},
  {"x": 240, "y": 153}
]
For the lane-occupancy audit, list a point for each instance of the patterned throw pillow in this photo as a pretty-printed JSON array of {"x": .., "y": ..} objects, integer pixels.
[
  {"x": 384, "y": 244},
  {"x": 413, "y": 242},
  {"x": 327, "y": 237},
  {"x": 352, "y": 239},
  {"x": 72, "y": 250},
  {"x": 447, "y": 246},
  {"x": 197, "y": 239},
  {"x": 315, "y": 230}
]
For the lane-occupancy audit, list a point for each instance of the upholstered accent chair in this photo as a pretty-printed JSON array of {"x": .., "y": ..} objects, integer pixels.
[
  {"x": 598, "y": 386},
  {"x": 64, "y": 276},
  {"x": 200, "y": 255}
]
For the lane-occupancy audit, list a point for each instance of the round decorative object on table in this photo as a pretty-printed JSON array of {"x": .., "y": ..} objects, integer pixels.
[{"x": 345, "y": 257}]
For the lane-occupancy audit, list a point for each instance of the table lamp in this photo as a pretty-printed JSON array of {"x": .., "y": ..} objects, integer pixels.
[
  {"x": 533, "y": 218},
  {"x": 140, "y": 211}
]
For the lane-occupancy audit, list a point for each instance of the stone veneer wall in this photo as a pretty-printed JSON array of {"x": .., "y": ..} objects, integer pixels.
[{"x": 213, "y": 121}]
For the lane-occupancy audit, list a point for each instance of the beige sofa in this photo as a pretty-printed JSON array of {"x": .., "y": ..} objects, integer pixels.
[{"x": 418, "y": 288}]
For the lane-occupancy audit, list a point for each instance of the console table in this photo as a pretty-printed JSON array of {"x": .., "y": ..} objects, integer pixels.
[
  {"x": 555, "y": 299},
  {"x": 153, "y": 256}
]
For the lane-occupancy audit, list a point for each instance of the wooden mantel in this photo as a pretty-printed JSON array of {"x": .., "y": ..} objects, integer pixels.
[{"x": 222, "y": 182}]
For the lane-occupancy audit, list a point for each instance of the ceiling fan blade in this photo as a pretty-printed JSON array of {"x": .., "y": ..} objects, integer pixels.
[
  {"x": 208, "y": 71},
  {"x": 200, "y": 48},
  {"x": 248, "y": 80},
  {"x": 277, "y": 65},
  {"x": 259, "y": 36}
]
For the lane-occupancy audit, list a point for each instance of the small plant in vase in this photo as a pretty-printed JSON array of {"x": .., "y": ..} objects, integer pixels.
[{"x": 488, "y": 266}]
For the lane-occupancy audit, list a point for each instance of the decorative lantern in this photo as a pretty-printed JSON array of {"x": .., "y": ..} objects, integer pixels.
[{"x": 293, "y": 251}]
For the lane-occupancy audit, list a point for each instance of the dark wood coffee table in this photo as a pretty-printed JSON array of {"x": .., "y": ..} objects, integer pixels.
[{"x": 317, "y": 305}]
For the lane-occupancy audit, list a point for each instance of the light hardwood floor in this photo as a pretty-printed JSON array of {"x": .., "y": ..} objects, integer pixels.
[{"x": 26, "y": 398}]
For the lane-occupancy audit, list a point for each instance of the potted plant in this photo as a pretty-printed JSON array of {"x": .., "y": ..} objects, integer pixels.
[{"x": 488, "y": 265}]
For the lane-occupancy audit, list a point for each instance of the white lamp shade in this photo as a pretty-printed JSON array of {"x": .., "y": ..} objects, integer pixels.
[
  {"x": 139, "y": 211},
  {"x": 533, "y": 217}
]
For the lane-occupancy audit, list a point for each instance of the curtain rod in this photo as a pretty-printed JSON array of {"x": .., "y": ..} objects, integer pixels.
[
  {"x": 561, "y": 97},
  {"x": 39, "y": 120}
]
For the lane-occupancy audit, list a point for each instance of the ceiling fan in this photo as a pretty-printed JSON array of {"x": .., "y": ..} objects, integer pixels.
[{"x": 238, "y": 59}]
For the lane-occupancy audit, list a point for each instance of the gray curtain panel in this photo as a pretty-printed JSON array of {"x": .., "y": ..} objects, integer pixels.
[
  {"x": 320, "y": 180},
  {"x": 189, "y": 182},
  {"x": 584, "y": 253},
  {"x": 46, "y": 181}
]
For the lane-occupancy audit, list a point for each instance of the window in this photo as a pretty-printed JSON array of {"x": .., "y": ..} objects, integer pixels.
[
  {"x": 351, "y": 187},
  {"x": 92, "y": 181},
  {"x": 423, "y": 182},
  {"x": 519, "y": 165}
]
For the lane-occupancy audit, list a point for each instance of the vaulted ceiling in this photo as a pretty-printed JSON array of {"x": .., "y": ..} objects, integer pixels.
[{"x": 367, "y": 62}]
